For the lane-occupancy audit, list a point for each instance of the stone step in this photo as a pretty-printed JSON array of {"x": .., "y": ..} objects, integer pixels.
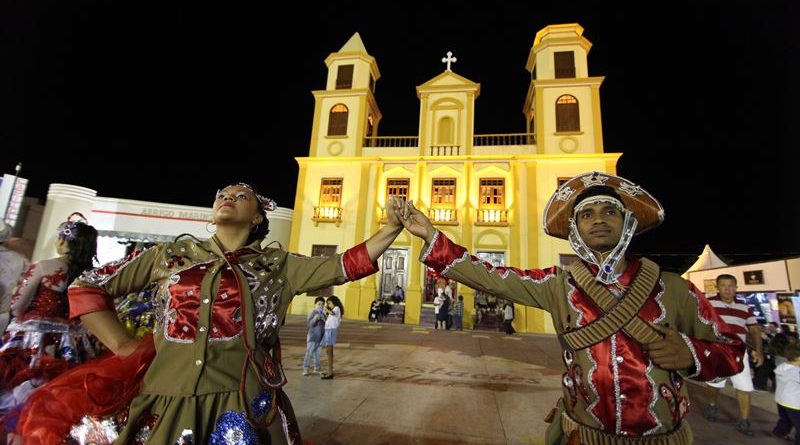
[
  {"x": 489, "y": 322},
  {"x": 396, "y": 314}
]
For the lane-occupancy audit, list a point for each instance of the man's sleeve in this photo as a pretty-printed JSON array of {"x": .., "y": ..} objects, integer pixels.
[
  {"x": 717, "y": 350},
  {"x": 532, "y": 287},
  {"x": 751, "y": 318}
]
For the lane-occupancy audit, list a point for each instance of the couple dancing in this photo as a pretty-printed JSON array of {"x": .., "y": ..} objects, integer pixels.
[{"x": 212, "y": 372}]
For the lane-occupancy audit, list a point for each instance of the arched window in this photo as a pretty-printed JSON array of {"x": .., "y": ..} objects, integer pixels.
[
  {"x": 567, "y": 114},
  {"x": 444, "y": 134},
  {"x": 337, "y": 121}
]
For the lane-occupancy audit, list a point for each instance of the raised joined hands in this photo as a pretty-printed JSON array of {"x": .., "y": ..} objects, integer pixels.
[{"x": 413, "y": 220}]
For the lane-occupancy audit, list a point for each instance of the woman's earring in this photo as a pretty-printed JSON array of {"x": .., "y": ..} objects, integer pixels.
[{"x": 209, "y": 230}]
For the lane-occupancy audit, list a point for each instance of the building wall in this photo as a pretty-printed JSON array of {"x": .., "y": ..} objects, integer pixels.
[
  {"x": 530, "y": 173},
  {"x": 582, "y": 141},
  {"x": 776, "y": 276},
  {"x": 793, "y": 266}
]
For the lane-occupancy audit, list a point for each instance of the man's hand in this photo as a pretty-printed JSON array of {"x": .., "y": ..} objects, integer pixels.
[
  {"x": 415, "y": 221},
  {"x": 671, "y": 352},
  {"x": 759, "y": 358}
]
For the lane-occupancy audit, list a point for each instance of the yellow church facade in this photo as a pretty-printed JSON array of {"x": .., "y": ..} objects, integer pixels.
[{"x": 486, "y": 192}]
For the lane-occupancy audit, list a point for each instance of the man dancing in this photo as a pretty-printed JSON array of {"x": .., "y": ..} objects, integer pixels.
[{"x": 630, "y": 333}]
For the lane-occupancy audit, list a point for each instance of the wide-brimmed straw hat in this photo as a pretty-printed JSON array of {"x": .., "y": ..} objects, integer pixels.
[{"x": 648, "y": 210}]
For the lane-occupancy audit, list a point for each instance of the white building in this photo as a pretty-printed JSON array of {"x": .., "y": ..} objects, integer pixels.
[{"x": 123, "y": 221}]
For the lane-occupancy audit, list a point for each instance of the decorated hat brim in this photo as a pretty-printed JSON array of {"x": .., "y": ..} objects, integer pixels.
[{"x": 647, "y": 210}]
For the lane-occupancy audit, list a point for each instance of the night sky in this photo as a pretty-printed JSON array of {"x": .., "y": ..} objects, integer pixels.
[{"x": 702, "y": 100}]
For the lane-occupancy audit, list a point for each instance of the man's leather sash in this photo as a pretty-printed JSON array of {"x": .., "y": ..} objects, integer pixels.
[{"x": 619, "y": 313}]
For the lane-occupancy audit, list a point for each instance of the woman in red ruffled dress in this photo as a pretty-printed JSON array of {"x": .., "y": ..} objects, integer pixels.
[{"x": 41, "y": 342}]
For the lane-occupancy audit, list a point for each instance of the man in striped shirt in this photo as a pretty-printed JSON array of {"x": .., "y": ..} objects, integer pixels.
[{"x": 740, "y": 318}]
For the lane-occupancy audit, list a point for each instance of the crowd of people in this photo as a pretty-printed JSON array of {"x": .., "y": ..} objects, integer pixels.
[{"x": 212, "y": 370}]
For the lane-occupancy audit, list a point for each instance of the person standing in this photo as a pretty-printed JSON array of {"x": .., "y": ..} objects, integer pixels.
[
  {"x": 739, "y": 316},
  {"x": 787, "y": 394},
  {"x": 315, "y": 323},
  {"x": 508, "y": 318},
  {"x": 444, "y": 310},
  {"x": 458, "y": 314},
  {"x": 766, "y": 372},
  {"x": 630, "y": 333},
  {"x": 333, "y": 318},
  {"x": 437, "y": 305}
]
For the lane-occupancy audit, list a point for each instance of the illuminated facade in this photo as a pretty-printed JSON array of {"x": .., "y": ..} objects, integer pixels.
[{"x": 486, "y": 192}]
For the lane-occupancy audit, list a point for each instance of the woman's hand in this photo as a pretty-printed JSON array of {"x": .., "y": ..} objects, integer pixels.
[
  {"x": 128, "y": 347},
  {"x": 391, "y": 217},
  {"x": 415, "y": 221},
  {"x": 107, "y": 328}
]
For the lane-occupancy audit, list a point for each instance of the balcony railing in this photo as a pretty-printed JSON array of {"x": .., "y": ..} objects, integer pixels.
[
  {"x": 444, "y": 150},
  {"x": 504, "y": 139},
  {"x": 491, "y": 217},
  {"x": 391, "y": 141},
  {"x": 478, "y": 140},
  {"x": 327, "y": 214},
  {"x": 446, "y": 217}
]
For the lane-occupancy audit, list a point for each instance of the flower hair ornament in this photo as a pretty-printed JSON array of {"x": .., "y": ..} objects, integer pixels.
[
  {"x": 266, "y": 204},
  {"x": 68, "y": 230}
]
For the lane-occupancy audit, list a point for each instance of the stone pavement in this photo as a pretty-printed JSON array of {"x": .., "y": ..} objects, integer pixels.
[{"x": 401, "y": 384}]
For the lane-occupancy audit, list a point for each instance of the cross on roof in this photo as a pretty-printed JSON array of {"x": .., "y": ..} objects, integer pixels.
[{"x": 449, "y": 59}]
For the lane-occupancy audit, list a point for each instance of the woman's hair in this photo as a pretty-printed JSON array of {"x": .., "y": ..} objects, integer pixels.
[
  {"x": 779, "y": 343},
  {"x": 260, "y": 231},
  {"x": 81, "y": 238},
  {"x": 336, "y": 302}
]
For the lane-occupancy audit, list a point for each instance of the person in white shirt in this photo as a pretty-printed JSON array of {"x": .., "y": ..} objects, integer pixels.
[
  {"x": 437, "y": 303},
  {"x": 333, "y": 311},
  {"x": 508, "y": 318},
  {"x": 787, "y": 394}
]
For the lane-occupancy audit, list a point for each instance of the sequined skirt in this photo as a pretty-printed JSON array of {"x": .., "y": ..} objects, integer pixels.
[{"x": 217, "y": 419}]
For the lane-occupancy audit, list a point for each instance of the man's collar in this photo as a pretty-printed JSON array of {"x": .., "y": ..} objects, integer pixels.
[{"x": 628, "y": 274}]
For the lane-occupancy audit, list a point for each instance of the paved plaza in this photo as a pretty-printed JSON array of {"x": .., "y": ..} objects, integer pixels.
[{"x": 402, "y": 384}]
